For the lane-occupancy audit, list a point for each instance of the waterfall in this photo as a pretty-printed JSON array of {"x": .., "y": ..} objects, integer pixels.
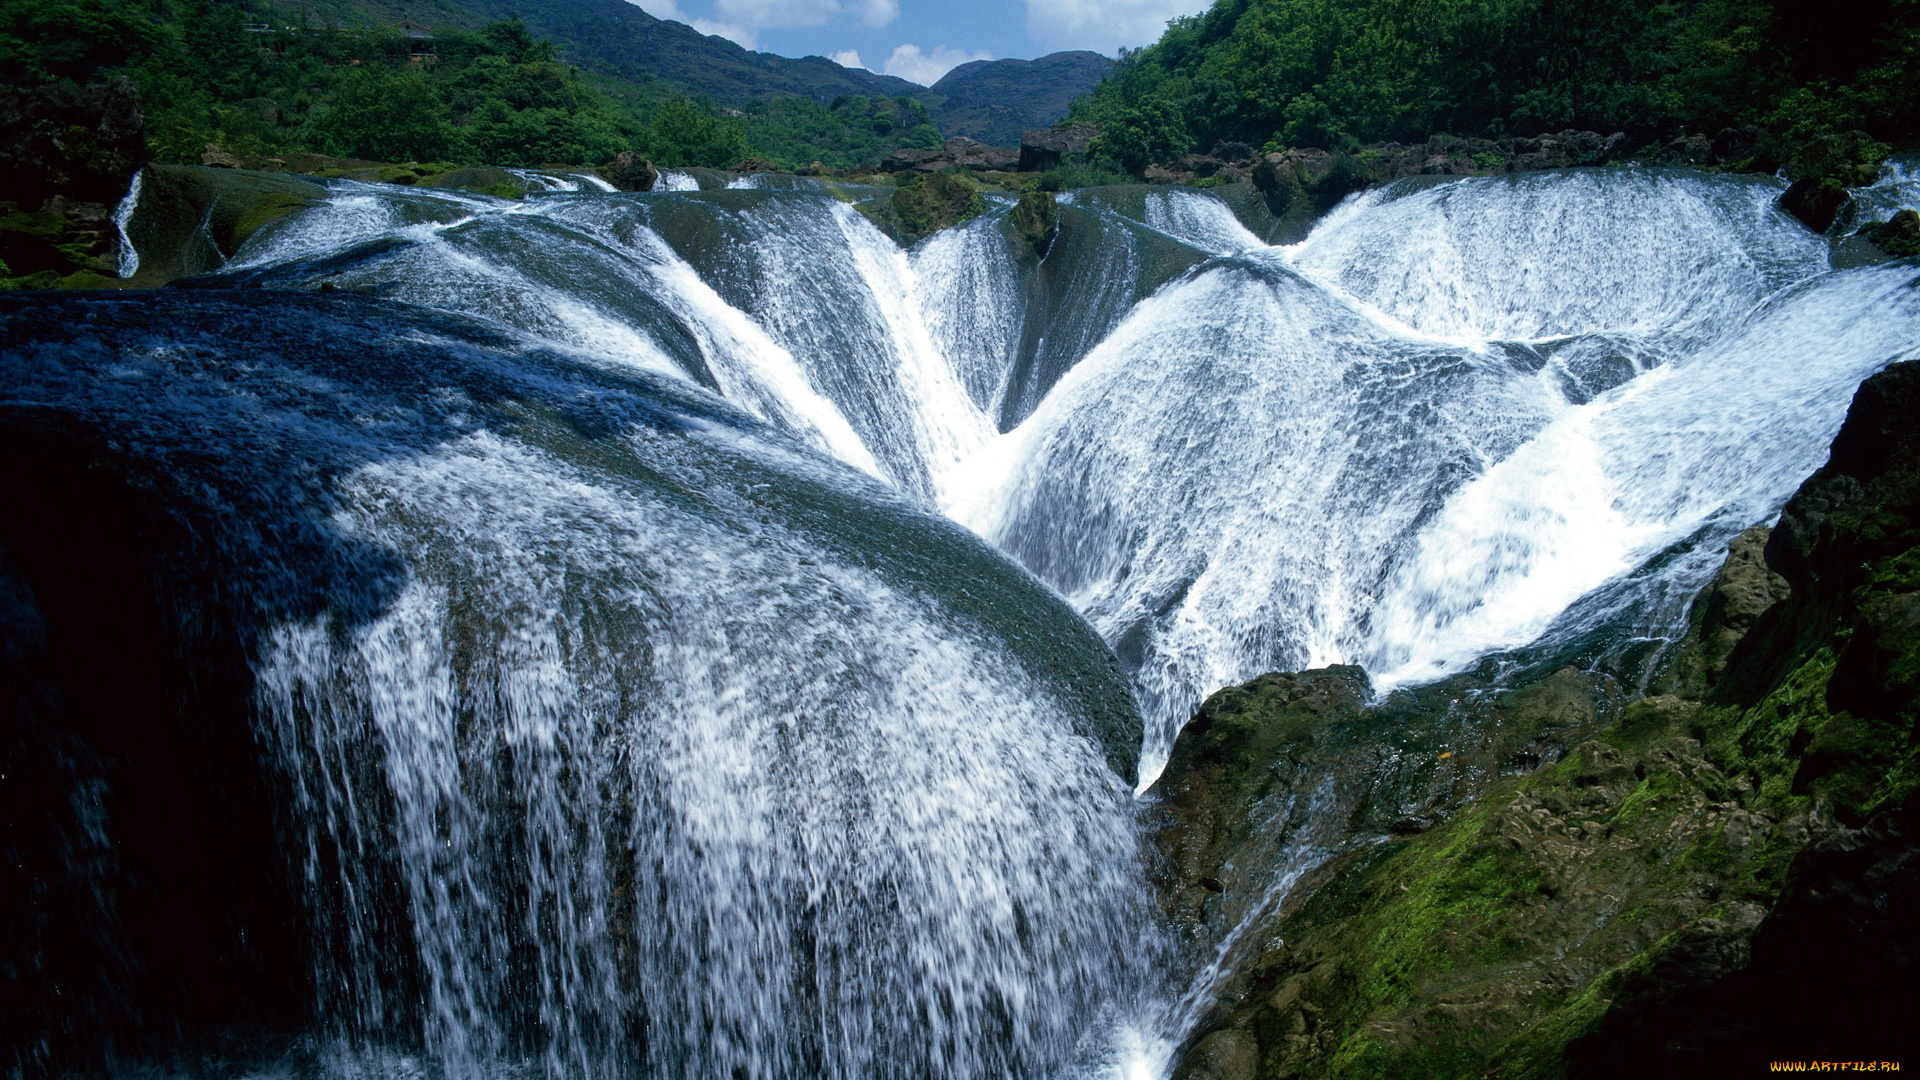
[
  {"x": 1191, "y": 447},
  {"x": 127, "y": 254},
  {"x": 1897, "y": 189},
  {"x": 636, "y": 706},
  {"x": 623, "y": 734}
]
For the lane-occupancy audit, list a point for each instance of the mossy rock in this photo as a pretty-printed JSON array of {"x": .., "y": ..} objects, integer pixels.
[
  {"x": 57, "y": 246},
  {"x": 190, "y": 219},
  {"x": 1899, "y": 237},
  {"x": 481, "y": 180},
  {"x": 1035, "y": 220},
  {"x": 1824, "y": 169},
  {"x": 927, "y": 204}
]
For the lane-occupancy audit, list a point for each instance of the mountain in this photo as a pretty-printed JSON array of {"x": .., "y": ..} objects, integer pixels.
[
  {"x": 995, "y": 100},
  {"x": 990, "y": 100},
  {"x": 615, "y": 39}
]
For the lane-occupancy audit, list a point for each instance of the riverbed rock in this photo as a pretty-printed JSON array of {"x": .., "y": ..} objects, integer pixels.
[
  {"x": 191, "y": 219},
  {"x": 1723, "y": 872},
  {"x": 1036, "y": 220},
  {"x": 1898, "y": 237},
  {"x": 934, "y": 201},
  {"x": 630, "y": 172}
]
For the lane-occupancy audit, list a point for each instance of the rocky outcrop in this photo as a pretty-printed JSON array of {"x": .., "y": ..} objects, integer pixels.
[
  {"x": 67, "y": 155},
  {"x": 1036, "y": 220},
  {"x": 959, "y": 152},
  {"x": 1823, "y": 170},
  {"x": 1046, "y": 148},
  {"x": 1898, "y": 237},
  {"x": 630, "y": 172},
  {"x": 926, "y": 204},
  {"x": 1721, "y": 874},
  {"x": 191, "y": 219}
]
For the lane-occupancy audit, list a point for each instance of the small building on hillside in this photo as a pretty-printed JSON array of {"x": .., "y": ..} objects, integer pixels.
[{"x": 419, "y": 41}]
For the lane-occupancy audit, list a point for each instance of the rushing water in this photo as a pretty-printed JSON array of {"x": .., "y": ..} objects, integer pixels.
[
  {"x": 622, "y": 735},
  {"x": 637, "y": 714}
]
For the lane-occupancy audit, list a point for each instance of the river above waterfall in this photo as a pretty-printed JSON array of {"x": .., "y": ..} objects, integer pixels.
[{"x": 687, "y": 634}]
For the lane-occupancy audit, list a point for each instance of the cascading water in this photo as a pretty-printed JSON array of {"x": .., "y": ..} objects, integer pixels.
[
  {"x": 127, "y": 256},
  {"x": 622, "y": 735},
  {"x": 1276, "y": 463},
  {"x": 661, "y": 745}
]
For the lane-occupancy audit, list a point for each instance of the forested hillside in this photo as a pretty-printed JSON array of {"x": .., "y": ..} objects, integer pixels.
[
  {"x": 1316, "y": 72},
  {"x": 236, "y": 76},
  {"x": 995, "y": 101}
]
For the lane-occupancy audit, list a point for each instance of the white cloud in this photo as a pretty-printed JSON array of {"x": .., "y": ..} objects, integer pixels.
[
  {"x": 1104, "y": 25},
  {"x": 745, "y": 36},
  {"x": 909, "y": 63},
  {"x": 760, "y": 14},
  {"x": 742, "y": 20},
  {"x": 877, "y": 12},
  {"x": 848, "y": 58},
  {"x": 662, "y": 9}
]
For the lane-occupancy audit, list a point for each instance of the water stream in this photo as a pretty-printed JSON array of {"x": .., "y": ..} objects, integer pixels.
[{"x": 639, "y": 708}]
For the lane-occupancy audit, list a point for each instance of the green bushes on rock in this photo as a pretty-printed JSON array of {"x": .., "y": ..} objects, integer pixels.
[
  {"x": 926, "y": 204},
  {"x": 1035, "y": 219}
]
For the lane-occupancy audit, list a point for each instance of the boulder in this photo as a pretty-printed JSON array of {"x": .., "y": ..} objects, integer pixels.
[
  {"x": 1899, "y": 237},
  {"x": 215, "y": 158},
  {"x": 913, "y": 159},
  {"x": 1238, "y": 153},
  {"x": 975, "y": 156},
  {"x": 1823, "y": 169},
  {"x": 1045, "y": 148},
  {"x": 926, "y": 204},
  {"x": 630, "y": 172}
]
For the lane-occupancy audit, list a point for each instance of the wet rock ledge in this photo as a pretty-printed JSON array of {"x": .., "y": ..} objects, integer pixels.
[{"x": 1567, "y": 880}]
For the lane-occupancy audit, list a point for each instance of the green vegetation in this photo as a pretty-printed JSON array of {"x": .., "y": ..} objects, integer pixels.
[
  {"x": 228, "y": 73},
  {"x": 1278, "y": 73},
  {"x": 795, "y": 132},
  {"x": 926, "y": 204}
]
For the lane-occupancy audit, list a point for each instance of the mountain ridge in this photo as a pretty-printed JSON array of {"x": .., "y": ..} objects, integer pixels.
[{"x": 990, "y": 100}]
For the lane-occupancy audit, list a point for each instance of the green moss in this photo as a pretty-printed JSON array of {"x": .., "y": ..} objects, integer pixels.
[
  {"x": 927, "y": 204},
  {"x": 1035, "y": 219}
]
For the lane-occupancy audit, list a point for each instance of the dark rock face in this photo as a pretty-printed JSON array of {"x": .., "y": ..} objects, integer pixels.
[
  {"x": 1899, "y": 237},
  {"x": 959, "y": 152},
  {"x": 67, "y": 155},
  {"x": 1719, "y": 875},
  {"x": 1045, "y": 148},
  {"x": 81, "y": 143},
  {"x": 1815, "y": 200},
  {"x": 631, "y": 172},
  {"x": 1823, "y": 170}
]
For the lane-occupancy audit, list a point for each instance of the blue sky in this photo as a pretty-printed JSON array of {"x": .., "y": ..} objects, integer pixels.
[{"x": 921, "y": 39}]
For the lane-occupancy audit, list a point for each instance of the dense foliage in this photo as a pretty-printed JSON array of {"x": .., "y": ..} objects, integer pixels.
[
  {"x": 1316, "y": 72},
  {"x": 793, "y": 132},
  {"x": 223, "y": 72}
]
